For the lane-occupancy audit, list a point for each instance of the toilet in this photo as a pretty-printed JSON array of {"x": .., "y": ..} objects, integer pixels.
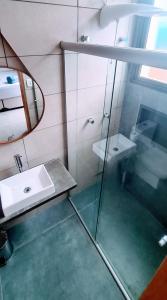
[
  {"x": 146, "y": 128},
  {"x": 151, "y": 161}
]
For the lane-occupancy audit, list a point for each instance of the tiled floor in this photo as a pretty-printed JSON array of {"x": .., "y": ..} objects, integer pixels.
[
  {"x": 127, "y": 233},
  {"x": 54, "y": 259}
]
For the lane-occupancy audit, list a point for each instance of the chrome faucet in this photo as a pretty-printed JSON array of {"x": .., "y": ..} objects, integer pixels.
[{"x": 18, "y": 162}]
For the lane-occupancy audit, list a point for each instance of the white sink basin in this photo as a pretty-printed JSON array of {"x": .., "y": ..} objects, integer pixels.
[
  {"x": 8, "y": 91},
  {"x": 24, "y": 189},
  {"x": 118, "y": 147}
]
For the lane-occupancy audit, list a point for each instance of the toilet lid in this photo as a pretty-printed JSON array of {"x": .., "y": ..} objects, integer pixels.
[{"x": 155, "y": 160}]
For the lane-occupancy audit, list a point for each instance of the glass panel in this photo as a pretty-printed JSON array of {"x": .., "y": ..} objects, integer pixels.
[
  {"x": 88, "y": 100},
  {"x": 133, "y": 206},
  {"x": 156, "y": 40},
  {"x": 155, "y": 74}
]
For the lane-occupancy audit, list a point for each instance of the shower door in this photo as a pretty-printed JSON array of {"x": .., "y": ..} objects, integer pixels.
[
  {"x": 89, "y": 82},
  {"x": 132, "y": 218},
  {"x": 117, "y": 152}
]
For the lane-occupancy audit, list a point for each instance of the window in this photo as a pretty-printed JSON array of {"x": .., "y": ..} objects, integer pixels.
[{"x": 153, "y": 36}]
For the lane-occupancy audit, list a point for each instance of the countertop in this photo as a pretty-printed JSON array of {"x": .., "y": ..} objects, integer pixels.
[{"x": 62, "y": 180}]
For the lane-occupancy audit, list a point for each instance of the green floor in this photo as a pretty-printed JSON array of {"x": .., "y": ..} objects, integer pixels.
[
  {"x": 54, "y": 259},
  {"x": 127, "y": 233}
]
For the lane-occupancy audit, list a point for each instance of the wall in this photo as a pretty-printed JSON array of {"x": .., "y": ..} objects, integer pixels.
[
  {"x": 135, "y": 96},
  {"x": 88, "y": 95},
  {"x": 34, "y": 30}
]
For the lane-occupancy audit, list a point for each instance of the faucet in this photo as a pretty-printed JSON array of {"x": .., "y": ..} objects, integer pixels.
[{"x": 18, "y": 162}]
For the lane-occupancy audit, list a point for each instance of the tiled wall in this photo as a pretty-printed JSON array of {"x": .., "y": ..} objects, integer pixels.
[
  {"x": 34, "y": 30},
  {"x": 136, "y": 95},
  {"x": 89, "y": 92}
]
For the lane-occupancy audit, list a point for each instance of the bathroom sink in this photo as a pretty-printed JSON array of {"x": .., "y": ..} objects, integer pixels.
[
  {"x": 118, "y": 147},
  {"x": 8, "y": 91},
  {"x": 24, "y": 189}
]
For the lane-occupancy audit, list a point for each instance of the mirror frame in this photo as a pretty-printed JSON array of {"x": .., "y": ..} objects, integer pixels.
[{"x": 27, "y": 132}]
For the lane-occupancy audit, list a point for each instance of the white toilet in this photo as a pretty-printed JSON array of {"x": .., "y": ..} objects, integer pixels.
[
  {"x": 151, "y": 161},
  {"x": 144, "y": 128}
]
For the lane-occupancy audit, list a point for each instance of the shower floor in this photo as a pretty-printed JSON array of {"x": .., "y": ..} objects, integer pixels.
[
  {"x": 127, "y": 233},
  {"x": 54, "y": 258}
]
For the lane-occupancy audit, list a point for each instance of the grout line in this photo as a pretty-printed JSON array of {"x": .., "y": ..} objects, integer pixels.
[
  {"x": 78, "y": 89},
  {"x": 32, "y": 55},
  {"x": 44, "y": 3},
  {"x": 87, "y": 7},
  {"x": 57, "y": 4},
  {"x": 45, "y": 128},
  {"x": 75, "y": 90},
  {"x": 44, "y": 54},
  {"x": 58, "y": 124},
  {"x": 45, "y": 231},
  {"x": 56, "y": 93}
]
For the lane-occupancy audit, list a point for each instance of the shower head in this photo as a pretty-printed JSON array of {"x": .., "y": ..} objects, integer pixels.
[{"x": 112, "y": 13}]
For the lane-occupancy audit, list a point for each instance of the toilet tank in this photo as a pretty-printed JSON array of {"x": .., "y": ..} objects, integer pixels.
[{"x": 146, "y": 128}]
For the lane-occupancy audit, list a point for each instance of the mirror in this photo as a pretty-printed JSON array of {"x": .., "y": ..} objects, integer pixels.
[{"x": 21, "y": 105}]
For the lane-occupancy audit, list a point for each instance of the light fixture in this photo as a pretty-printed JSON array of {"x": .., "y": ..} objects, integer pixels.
[{"x": 112, "y": 13}]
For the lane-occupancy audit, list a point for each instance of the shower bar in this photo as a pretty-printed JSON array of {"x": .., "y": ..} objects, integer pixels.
[{"x": 156, "y": 59}]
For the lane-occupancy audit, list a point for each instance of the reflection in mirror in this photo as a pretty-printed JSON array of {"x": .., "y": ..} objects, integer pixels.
[{"x": 21, "y": 104}]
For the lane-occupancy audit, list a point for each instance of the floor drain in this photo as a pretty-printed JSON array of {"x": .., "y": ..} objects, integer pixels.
[{"x": 27, "y": 189}]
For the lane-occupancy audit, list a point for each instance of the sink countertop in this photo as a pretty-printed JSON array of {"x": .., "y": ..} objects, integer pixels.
[{"x": 62, "y": 180}]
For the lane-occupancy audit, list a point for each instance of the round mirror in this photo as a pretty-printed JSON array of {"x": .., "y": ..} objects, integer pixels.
[{"x": 21, "y": 105}]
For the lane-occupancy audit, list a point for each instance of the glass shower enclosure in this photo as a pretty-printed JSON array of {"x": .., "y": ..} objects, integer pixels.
[{"x": 117, "y": 153}]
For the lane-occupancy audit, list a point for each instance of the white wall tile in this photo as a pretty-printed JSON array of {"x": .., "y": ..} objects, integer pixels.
[
  {"x": 45, "y": 144},
  {"x": 88, "y": 164},
  {"x": 54, "y": 111},
  {"x": 71, "y": 105},
  {"x": 91, "y": 3},
  {"x": 89, "y": 25},
  {"x": 100, "y": 3},
  {"x": 43, "y": 26},
  {"x": 92, "y": 70},
  {"x": 8, "y": 151},
  {"x": 12, "y": 171},
  {"x": 40, "y": 29},
  {"x": 47, "y": 71},
  {"x": 3, "y": 62},
  {"x": 110, "y": 2},
  {"x": 71, "y": 71},
  {"x": 90, "y": 101},
  {"x": 72, "y": 147}
]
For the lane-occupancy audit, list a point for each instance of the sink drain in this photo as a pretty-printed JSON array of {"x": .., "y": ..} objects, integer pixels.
[
  {"x": 27, "y": 189},
  {"x": 116, "y": 149}
]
